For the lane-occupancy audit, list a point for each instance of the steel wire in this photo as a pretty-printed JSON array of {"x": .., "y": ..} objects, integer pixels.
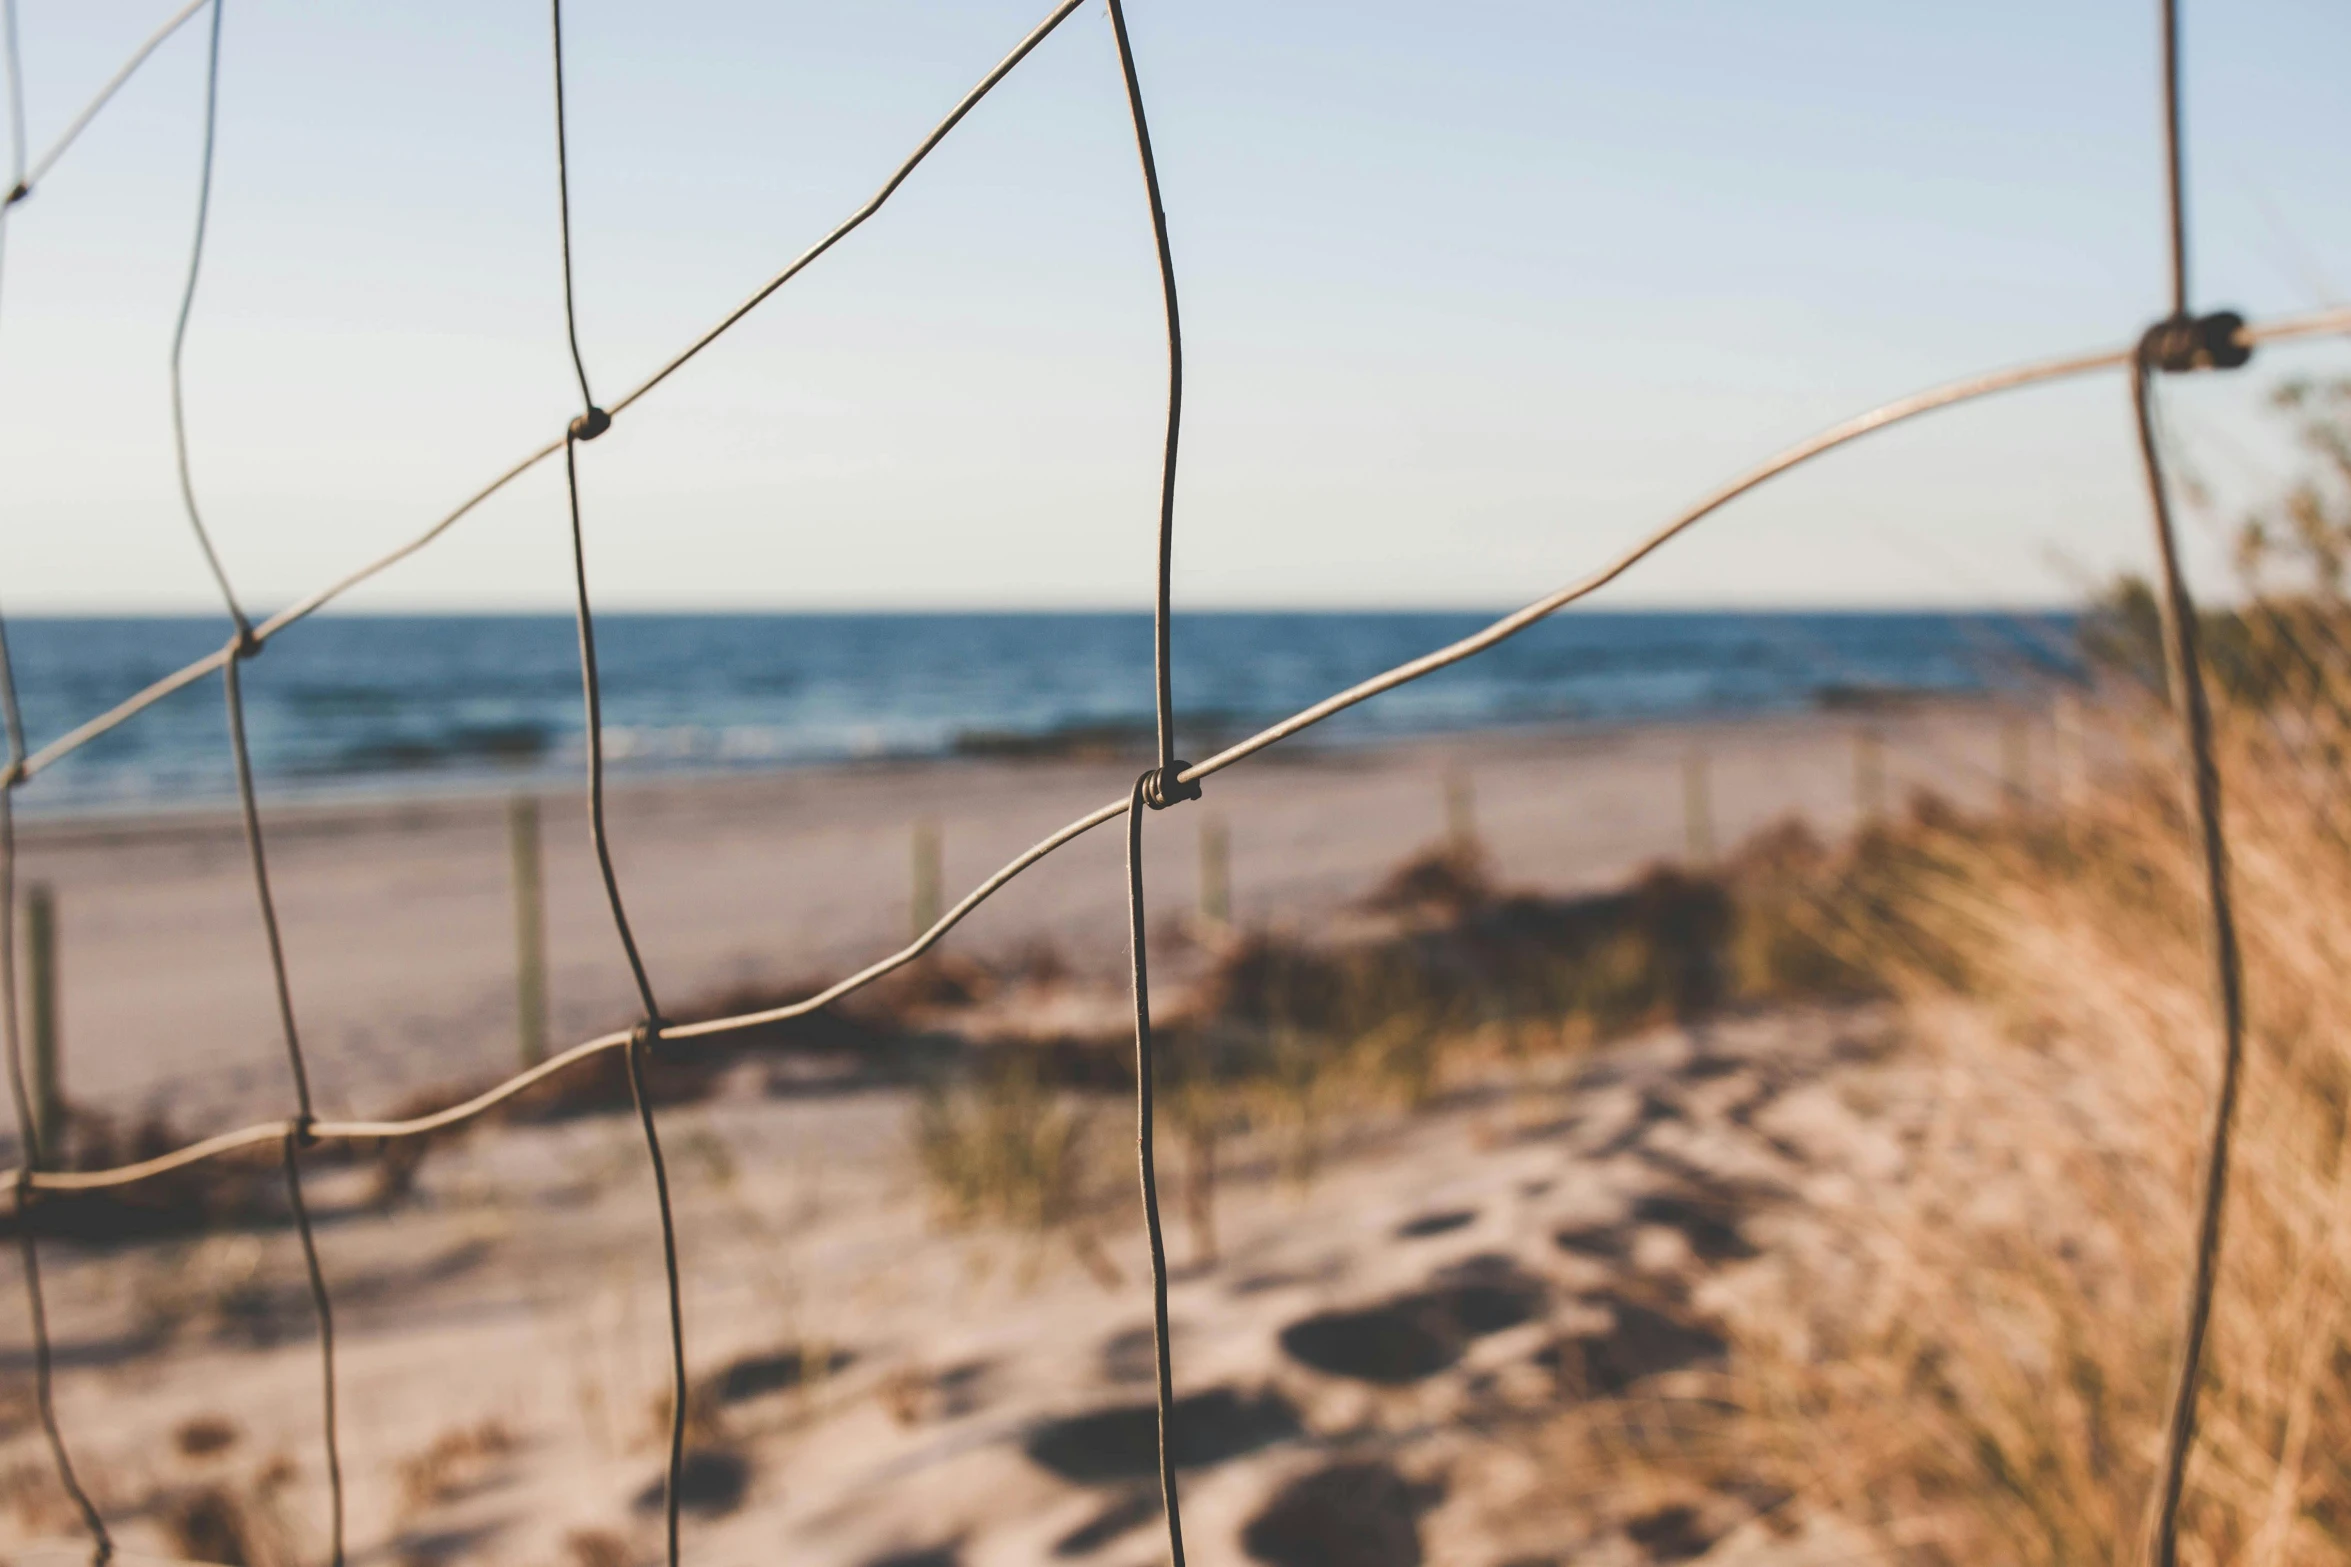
[
  {"x": 1157, "y": 787},
  {"x": 2184, "y": 663},
  {"x": 2185, "y": 666},
  {"x": 1883, "y": 417},
  {"x": 243, "y": 645},
  {"x": 74, "y": 739},
  {"x": 26, "y": 181},
  {"x": 1162, "y": 675},
  {"x": 27, "y": 1123},
  {"x": 179, "y": 335},
  {"x": 592, "y": 422},
  {"x": 1145, "y": 1162},
  {"x": 28, "y": 1136}
]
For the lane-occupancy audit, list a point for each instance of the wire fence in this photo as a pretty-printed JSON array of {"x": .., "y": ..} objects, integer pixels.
[{"x": 2180, "y": 342}]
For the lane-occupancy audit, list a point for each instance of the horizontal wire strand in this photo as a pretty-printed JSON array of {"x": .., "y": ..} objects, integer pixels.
[{"x": 1882, "y": 417}]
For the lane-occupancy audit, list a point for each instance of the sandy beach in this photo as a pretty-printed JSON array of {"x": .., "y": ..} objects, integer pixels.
[
  {"x": 399, "y": 928},
  {"x": 1375, "y": 1332}
]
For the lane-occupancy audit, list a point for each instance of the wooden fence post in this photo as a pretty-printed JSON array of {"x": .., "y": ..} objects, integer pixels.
[
  {"x": 1216, "y": 872},
  {"x": 2016, "y": 762},
  {"x": 530, "y": 929},
  {"x": 48, "y": 1088},
  {"x": 927, "y": 876},
  {"x": 1697, "y": 808},
  {"x": 1869, "y": 776},
  {"x": 1461, "y": 812}
]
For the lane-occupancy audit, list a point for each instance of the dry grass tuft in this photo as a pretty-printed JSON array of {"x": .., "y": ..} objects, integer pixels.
[
  {"x": 1004, "y": 1149},
  {"x": 453, "y": 1463},
  {"x": 1968, "y": 1359}
]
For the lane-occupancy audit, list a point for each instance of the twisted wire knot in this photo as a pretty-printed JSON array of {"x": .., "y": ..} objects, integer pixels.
[
  {"x": 590, "y": 424},
  {"x": 2186, "y": 342},
  {"x": 16, "y": 193},
  {"x": 12, "y": 774},
  {"x": 245, "y": 644},
  {"x": 1164, "y": 786}
]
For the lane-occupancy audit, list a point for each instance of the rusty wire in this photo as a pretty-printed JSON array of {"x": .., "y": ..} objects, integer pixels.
[{"x": 1162, "y": 785}]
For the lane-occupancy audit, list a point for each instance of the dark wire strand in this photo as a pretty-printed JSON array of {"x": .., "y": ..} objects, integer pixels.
[
  {"x": 326, "y": 1332},
  {"x": 640, "y": 1042},
  {"x": 591, "y": 423},
  {"x": 28, "y": 1132},
  {"x": 243, "y": 645},
  {"x": 571, "y": 325},
  {"x": 1146, "y": 1162},
  {"x": 1165, "y": 773},
  {"x": 179, "y": 335},
  {"x": 16, "y": 151},
  {"x": 2180, "y": 639},
  {"x": 44, "y": 1395},
  {"x": 232, "y": 684},
  {"x": 592, "y": 696},
  {"x": 2175, "y": 179},
  {"x": 28, "y": 1246}
]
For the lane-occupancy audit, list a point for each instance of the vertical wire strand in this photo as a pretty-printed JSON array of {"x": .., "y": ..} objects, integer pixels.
[
  {"x": 1147, "y": 1166},
  {"x": 592, "y": 697},
  {"x": 179, "y": 336},
  {"x": 233, "y": 687},
  {"x": 232, "y": 684},
  {"x": 571, "y": 326},
  {"x": 1175, "y": 408},
  {"x": 27, "y": 1125},
  {"x": 592, "y": 422},
  {"x": 1157, "y": 788},
  {"x": 16, "y": 146},
  {"x": 244, "y": 645},
  {"x": 28, "y": 1245},
  {"x": 637, "y": 1046},
  {"x": 2184, "y": 665},
  {"x": 2175, "y": 180},
  {"x": 326, "y": 1331},
  {"x": 2180, "y": 638}
]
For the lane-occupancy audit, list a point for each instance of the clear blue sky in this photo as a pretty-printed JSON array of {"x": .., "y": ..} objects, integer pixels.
[{"x": 1473, "y": 293}]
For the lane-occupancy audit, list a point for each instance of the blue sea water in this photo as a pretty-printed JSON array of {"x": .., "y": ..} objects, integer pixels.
[{"x": 415, "y": 703}]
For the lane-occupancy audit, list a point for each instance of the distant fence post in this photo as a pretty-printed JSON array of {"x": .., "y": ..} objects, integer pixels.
[
  {"x": 48, "y": 1089},
  {"x": 530, "y": 929},
  {"x": 927, "y": 876},
  {"x": 1461, "y": 810},
  {"x": 1869, "y": 775},
  {"x": 1697, "y": 807},
  {"x": 2016, "y": 761},
  {"x": 1216, "y": 872},
  {"x": 2072, "y": 757}
]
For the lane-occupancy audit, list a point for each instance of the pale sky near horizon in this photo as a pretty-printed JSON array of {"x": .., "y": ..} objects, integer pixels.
[{"x": 1473, "y": 295}]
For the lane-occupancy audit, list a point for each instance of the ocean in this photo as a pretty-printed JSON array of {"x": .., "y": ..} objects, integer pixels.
[{"x": 426, "y": 703}]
